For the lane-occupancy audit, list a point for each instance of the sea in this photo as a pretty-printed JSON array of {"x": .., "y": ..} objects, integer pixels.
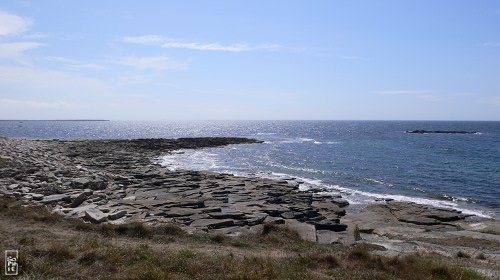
[{"x": 366, "y": 161}]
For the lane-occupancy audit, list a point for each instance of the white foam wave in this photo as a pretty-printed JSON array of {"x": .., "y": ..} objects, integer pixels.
[
  {"x": 327, "y": 143},
  {"x": 302, "y": 169},
  {"x": 357, "y": 197},
  {"x": 190, "y": 159},
  {"x": 204, "y": 160},
  {"x": 380, "y": 182},
  {"x": 418, "y": 200},
  {"x": 266, "y": 133},
  {"x": 297, "y": 140}
]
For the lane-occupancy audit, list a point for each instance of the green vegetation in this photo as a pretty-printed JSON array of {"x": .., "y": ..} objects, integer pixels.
[{"x": 139, "y": 251}]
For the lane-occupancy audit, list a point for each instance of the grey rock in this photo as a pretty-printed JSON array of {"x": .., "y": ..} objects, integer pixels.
[
  {"x": 340, "y": 202},
  {"x": 330, "y": 207},
  {"x": 25, "y": 190},
  {"x": 55, "y": 198},
  {"x": 275, "y": 220},
  {"x": 330, "y": 225},
  {"x": 180, "y": 212},
  {"x": 292, "y": 215},
  {"x": 95, "y": 216},
  {"x": 227, "y": 215},
  {"x": 327, "y": 237},
  {"x": 80, "y": 183},
  {"x": 77, "y": 199},
  {"x": 13, "y": 186},
  {"x": 212, "y": 223},
  {"x": 305, "y": 231},
  {"x": 418, "y": 220},
  {"x": 37, "y": 196},
  {"x": 117, "y": 215}
]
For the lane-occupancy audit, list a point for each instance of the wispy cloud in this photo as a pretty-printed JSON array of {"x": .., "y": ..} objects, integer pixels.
[
  {"x": 11, "y": 24},
  {"x": 31, "y": 104},
  {"x": 492, "y": 44},
  {"x": 208, "y": 47},
  {"x": 37, "y": 35},
  {"x": 415, "y": 92},
  {"x": 73, "y": 63},
  {"x": 146, "y": 39},
  {"x": 350, "y": 57},
  {"x": 15, "y": 50},
  {"x": 493, "y": 100},
  {"x": 213, "y": 46},
  {"x": 159, "y": 63}
]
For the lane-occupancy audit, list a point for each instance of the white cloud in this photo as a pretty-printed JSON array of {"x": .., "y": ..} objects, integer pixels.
[
  {"x": 492, "y": 44},
  {"x": 208, "y": 47},
  {"x": 31, "y": 104},
  {"x": 416, "y": 92},
  {"x": 159, "y": 63},
  {"x": 494, "y": 100},
  {"x": 422, "y": 94},
  {"x": 37, "y": 35},
  {"x": 350, "y": 57},
  {"x": 146, "y": 39},
  {"x": 73, "y": 63},
  {"x": 11, "y": 24},
  {"x": 16, "y": 49},
  {"x": 31, "y": 80},
  {"x": 173, "y": 43}
]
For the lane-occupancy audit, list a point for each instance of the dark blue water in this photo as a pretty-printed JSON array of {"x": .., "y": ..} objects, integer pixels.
[{"x": 367, "y": 160}]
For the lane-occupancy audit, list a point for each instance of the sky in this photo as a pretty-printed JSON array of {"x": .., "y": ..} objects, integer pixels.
[{"x": 250, "y": 60}]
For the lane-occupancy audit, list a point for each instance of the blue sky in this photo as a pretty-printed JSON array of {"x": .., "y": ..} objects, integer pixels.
[{"x": 179, "y": 60}]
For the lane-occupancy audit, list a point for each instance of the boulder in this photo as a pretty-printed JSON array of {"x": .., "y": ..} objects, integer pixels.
[
  {"x": 55, "y": 198},
  {"x": 305, "y": 231},
  {"x": 340, "y": 202},
  {"x": 13, "y": 186},
  {"x": 80, "y": 183},
  {"x": 37, "y": 196},
  {"x": 95, "y": 216},
  {"x": 117, "y": 215},
  {"x": 77, "y": 199},
  {"x": 330, "y": 225}
]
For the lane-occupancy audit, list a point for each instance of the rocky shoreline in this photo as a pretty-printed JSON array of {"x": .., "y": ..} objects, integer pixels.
[{"x": 118, "y": 181}]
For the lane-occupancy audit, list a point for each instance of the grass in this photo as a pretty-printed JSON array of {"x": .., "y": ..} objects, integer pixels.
[
  {"x": 139, "y": 251},
  {"x": 461, "y": 254},
  {"x": 464, "y": 242}
]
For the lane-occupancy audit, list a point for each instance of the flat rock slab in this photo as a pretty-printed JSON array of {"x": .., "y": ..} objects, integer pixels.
[
  {"x": 227, "y": 215},
  {"x": 212, "y": 223},
  {"x": 95, "y": 216},
  {"x": 180, "y": 212},
  {"x": 330, "y": 225},
  {"x": 305, "y": 231},
  {"x": 117, "y": 215},
  {"x": 78, "y": 199},
  {"x": 55, "y": 198}
]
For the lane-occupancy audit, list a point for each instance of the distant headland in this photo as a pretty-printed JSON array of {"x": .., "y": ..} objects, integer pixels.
[
  {"x": 441, "y": 131},
  {"x": 79, "y": 120}
]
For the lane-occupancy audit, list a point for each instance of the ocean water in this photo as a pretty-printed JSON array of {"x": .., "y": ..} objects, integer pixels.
[{"x": 365, "y": 160}]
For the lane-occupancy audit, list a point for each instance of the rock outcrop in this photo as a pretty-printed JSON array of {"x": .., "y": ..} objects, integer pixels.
[{"x": 117, "y": 181}]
